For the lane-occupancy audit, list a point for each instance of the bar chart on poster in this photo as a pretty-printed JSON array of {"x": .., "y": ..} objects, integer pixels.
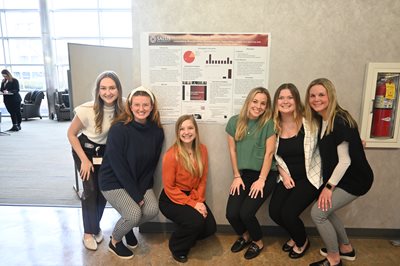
[{"x": 207, "y": 75}]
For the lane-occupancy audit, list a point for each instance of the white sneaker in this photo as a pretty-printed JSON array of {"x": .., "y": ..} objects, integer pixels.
[
  {"x": 89, "y": 243},
  {"x": 98, "y": 237},
  {"x": 395, "y": 243}
]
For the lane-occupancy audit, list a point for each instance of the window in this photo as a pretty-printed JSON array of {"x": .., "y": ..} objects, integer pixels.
[{"x": 106, "y": 23}]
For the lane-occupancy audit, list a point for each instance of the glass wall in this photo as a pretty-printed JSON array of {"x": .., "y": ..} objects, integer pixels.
[{"x": 96, "y": 22}]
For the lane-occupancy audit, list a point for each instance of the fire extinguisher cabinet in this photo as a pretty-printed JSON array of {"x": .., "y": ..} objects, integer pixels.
[{"x": 380, "y": 110}]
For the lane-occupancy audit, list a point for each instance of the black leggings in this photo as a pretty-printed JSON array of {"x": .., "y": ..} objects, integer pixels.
[
  {"x": 287, "y": 204},
  {"x": 191, "y": 225},
  {"x": 241, "y": 209},
  {"x": 14, "y": 108}
]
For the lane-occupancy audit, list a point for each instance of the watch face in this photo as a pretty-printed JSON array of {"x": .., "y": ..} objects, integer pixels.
[{"x": 328, "y": 186}]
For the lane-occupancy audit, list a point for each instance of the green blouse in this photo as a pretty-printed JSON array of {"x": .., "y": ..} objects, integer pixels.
[{"x": 251, "y": 149}]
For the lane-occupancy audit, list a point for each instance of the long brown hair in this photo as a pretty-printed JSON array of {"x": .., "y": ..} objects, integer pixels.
[
  {"x": 196, "y": 169},
  {"x": 241, "y": 127},
  {"x": 333, "y": 107},
  {"x": 98, "y": 106},
  {"x": 299, "y": 110},
  {"x": 127, "y": 116}
]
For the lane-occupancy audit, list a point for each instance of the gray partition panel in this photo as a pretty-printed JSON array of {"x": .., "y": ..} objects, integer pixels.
[{"x": 86, "y": 62}]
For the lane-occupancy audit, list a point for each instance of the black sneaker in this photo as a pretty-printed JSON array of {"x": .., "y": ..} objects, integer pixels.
[
  {"x": 131, "y": 241},
  {"x": 120, "y": 250},
  {"x": 351, "y": 256}
]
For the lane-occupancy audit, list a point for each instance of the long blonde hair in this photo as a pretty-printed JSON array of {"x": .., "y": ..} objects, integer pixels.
[
  {"x": 298, "y": 112},
  {"x": 196, "y": 169},
  {"x": 333, "y": 107},
  {"x": 241, "y": 127},
  {"x": 98, "y": 105}
]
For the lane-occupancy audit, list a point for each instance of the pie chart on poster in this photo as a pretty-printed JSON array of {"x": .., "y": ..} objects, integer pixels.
[{"x": 188, "y": 56}]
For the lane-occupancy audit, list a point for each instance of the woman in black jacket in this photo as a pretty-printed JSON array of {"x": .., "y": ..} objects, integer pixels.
[{"x": 10, "y": 85}]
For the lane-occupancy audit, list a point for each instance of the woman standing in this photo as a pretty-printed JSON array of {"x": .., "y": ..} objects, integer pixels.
[
  {"x": 347, "y": 174},
  {"x": 184, "y": 174},
  {"x": 251, "y": 141},
  {"x": 92, "y": 122},
  {"x": 126, "y": 176},
  {"x": 9, "y": 84},
  {"x": 299, "y": 166}
]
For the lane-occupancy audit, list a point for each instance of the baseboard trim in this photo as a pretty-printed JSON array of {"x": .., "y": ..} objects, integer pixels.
[{"x": 271, "y": 230}]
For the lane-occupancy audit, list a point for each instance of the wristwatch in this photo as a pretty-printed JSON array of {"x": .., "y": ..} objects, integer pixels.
[{"x": 328, "y": 186}]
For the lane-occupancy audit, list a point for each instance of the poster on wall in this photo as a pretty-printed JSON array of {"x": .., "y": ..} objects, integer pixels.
[{"x": 207, "y": 75}]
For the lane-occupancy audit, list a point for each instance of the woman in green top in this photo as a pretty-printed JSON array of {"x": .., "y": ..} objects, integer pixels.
[{"x": 251, "y": 140}]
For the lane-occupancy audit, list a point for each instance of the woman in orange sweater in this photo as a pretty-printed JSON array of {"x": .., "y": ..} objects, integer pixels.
[{"x": 184, "y": 175}]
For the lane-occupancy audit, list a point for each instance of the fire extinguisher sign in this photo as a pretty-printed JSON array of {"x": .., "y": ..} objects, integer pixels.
[{"x": 390, "y": 91}]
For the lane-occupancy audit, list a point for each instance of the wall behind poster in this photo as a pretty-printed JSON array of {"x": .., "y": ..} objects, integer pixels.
[{"x": 311, "y": 39}]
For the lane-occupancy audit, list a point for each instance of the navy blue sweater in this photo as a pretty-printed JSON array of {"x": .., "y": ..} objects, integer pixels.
[{"x": 131, "y": 157}]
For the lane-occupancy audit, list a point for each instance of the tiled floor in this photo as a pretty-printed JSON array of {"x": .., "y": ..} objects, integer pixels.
[{"x": 52, "y": 236}]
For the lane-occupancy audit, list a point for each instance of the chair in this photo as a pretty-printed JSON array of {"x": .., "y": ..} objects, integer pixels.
[
  {"x": 62, "y": 107},
  {"x": 31, "y": 105}
]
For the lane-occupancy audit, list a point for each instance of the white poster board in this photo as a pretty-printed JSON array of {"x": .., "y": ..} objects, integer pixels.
[{"x": 208, "y": 75}]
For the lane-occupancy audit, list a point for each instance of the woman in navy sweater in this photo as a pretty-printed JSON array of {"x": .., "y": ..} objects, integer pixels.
[{"x": 126, "y": 176}]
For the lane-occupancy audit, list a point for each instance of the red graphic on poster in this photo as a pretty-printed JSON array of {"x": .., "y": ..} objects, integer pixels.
[{"x": 188, "y": 56}]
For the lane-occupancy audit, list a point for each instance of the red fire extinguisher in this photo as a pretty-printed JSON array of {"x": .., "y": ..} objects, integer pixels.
[{"x": 382, "y": 112}]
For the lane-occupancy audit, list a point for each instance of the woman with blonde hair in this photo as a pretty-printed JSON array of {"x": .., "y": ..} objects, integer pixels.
[
  {"x": 184, "y": 175},
  {"x": 126, "y": 176},
  {"x": 251, "y": 141},
  {"x": 345, "y": 168}
]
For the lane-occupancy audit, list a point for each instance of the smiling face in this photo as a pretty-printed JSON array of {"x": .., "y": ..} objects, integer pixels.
[
  {"x": 187, "y": 132},
  {"x": 108, "y": 91},
  {"x": 319, "y": 100},
  {"x": 257, "y": 106},
  {"x": 141, "y": 108},
  {"x": 286, "y": 103}
]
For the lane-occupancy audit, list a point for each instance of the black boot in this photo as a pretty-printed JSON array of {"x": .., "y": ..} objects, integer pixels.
[
  {"x": 14, "y": 128},
  {"x": 19, "y": 126}
]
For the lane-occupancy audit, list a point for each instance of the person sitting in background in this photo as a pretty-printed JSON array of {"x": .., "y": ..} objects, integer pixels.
[
  {"x": 92, "y": 122},
  {"x": 184, "y": 175},
  {"x": 126, "y": 176},
  {"x": 10, "y": 85}
]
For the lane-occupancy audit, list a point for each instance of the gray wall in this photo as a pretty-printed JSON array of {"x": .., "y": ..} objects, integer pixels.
[
  {"x": 309, "y": 39},
  {"x": 86, "y": 62}
]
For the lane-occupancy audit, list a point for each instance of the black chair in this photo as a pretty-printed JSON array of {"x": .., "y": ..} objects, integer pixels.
[
  {"x": 31, "y": 106},
  {"x": 62, "y": 107}
]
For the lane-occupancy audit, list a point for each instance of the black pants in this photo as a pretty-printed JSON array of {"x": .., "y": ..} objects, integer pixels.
[
  {"x": 241, "y": 209},
  {"x": 191, "y": 225},
  {"x": 13, "y": 106},
  {"x": 287, "y": 204},
  {"x": 93, "y": 201}
]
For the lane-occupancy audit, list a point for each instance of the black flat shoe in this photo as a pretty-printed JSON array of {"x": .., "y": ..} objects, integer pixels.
[
  {"x": 294, "y": 255},
  {"x": 180, "y": 258},
  {"x": 286, "y": 247},
  {"x": 239, "y": 245},
  {"x": 253, "y": 251},
  {"x": 14, "y": 128},
  {"x": 325, "y": 262}
]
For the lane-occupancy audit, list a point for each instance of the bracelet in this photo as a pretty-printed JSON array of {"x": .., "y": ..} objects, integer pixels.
[
  {"x": 237, "y": 176},
  {"x": 263, "y": 178}
]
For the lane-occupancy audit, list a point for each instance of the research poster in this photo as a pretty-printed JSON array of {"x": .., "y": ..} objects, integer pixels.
[{"x": 207, "y": 75}]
